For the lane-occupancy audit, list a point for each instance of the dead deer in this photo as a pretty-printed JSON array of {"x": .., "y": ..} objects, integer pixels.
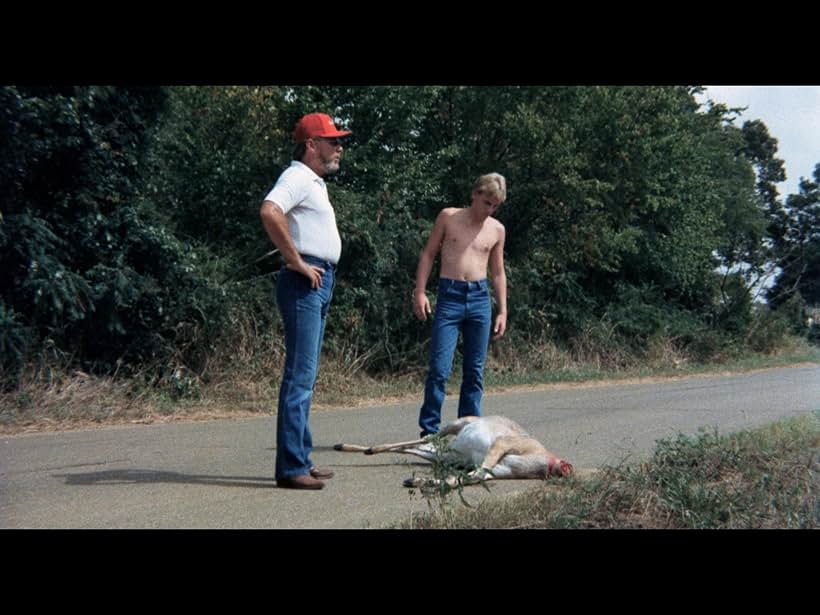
[{"x": 496, "y": 446}]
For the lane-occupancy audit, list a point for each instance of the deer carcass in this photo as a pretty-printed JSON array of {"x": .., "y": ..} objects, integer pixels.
[{"x": 496, "y": 446}]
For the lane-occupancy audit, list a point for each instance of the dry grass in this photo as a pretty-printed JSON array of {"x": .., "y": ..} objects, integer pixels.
[
  {"x": 50, "y": 399},
  {"x": 242, "y": 379},
  {"x": 510, "y": 360}
]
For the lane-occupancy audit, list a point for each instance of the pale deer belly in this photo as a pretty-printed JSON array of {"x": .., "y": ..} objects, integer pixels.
[
  {"x": 472, "y": 445},
  {"x": 476, "y": 438}
]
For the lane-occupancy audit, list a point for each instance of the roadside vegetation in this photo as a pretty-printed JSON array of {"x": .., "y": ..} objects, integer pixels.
[
  {"x": 59, "y": 399},
  {"x": 764, "y": 478},
  {"x": 645, "y": 236}
]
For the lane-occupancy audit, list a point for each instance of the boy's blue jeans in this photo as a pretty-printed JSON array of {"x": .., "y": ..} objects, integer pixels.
[
  {"x": 460, "y": 306},
  {"x": 304, "y": 312}
]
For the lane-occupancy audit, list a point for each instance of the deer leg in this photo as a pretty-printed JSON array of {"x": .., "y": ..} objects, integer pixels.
[
  {"x": 394, "y": 448},
  {"x": 380, "y": 448},
  {"x": 450, "y": 429},
  {"x": 499, "y": 448},
  {"x": 515, "y": 445},
  {"x": 350, "y": 448}
]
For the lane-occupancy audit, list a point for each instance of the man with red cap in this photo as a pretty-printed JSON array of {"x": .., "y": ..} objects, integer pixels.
[{"x": 300, "y": 221}]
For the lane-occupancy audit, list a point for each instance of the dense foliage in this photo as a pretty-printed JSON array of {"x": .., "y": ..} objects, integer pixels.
[
  {"x": 130, "y": 233},
  {"x": 83, "y": 271}
]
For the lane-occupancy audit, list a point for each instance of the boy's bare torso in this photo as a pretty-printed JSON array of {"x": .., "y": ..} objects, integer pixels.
[{"x": 466, "y": 246}]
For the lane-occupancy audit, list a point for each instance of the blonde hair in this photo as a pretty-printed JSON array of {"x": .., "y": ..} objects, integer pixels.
[{"x": 492, "y": 184}]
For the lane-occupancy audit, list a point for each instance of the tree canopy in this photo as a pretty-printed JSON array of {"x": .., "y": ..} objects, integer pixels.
[{"x": 130, "y": 231}]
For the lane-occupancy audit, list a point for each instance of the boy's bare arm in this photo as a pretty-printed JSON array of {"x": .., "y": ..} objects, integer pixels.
[
  {"x": 499, "y": 280},
  {"x": 421, "y": 304}
]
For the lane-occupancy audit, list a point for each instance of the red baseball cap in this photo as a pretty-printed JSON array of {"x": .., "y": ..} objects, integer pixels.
[{"x": 316, "y": 125}]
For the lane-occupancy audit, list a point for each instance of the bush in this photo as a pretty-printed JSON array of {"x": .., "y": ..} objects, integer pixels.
[
  {"x": 769, "y": 331},
  {"x": 69, "y": 171},
  {"x": 14, "y": 342}
]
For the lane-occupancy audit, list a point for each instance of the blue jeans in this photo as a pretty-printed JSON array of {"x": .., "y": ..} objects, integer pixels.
[
  {"x": 460, "y": 306},
  {"x": 304, "y": 312}
]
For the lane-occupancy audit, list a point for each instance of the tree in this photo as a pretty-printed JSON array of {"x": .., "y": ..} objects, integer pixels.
[
  {"x": 798, "y": 246},
  {"x": 130, "y": 222}
]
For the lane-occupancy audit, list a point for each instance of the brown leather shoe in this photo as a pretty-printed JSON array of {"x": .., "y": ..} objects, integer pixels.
[
  {"x": 322, "y": 472},
  {"x": 303, "y": 481}
]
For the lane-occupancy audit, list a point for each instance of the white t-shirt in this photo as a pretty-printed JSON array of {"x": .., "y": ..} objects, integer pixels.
[{"x": 302, "y": 197}]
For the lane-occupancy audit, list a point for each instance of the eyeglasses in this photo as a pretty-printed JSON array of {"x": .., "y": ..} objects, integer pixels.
[{"x": 334, "y": 142}]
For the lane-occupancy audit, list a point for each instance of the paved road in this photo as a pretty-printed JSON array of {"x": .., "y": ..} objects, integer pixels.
[{"x": 218, "y": 474}]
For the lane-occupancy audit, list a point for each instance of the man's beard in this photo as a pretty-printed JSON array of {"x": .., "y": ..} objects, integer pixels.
[{"x": 330, "y": 166}]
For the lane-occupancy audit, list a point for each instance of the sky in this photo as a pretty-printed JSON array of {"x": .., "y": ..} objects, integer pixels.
[{"x": 792, "y": 115}]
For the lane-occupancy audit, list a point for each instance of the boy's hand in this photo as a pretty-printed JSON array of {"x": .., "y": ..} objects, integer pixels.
[
  {"x": 421, "y": 305},
  {"x": 500, "y": 326}
]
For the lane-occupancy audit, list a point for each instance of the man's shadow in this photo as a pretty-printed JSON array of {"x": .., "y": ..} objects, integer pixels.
[{"x": 136, "y": 476}]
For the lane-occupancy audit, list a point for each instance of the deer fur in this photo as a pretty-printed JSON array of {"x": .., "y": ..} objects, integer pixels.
[{"x": 499, "y": 448}]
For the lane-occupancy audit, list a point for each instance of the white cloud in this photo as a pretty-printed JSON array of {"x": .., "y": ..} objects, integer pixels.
[{"x": 792, "y": 115}]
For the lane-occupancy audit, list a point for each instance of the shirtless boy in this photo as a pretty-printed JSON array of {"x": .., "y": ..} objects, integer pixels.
[{"x": 469, "y": 239}]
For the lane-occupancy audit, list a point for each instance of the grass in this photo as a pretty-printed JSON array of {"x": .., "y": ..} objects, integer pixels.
[
  {"x": 555, "y": 366},
  {"x": 759, "y": 479},
  {"x": 49, "y": 398}
]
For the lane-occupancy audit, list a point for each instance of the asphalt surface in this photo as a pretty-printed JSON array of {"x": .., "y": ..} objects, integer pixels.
[{"x": 219, "y": 474}]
